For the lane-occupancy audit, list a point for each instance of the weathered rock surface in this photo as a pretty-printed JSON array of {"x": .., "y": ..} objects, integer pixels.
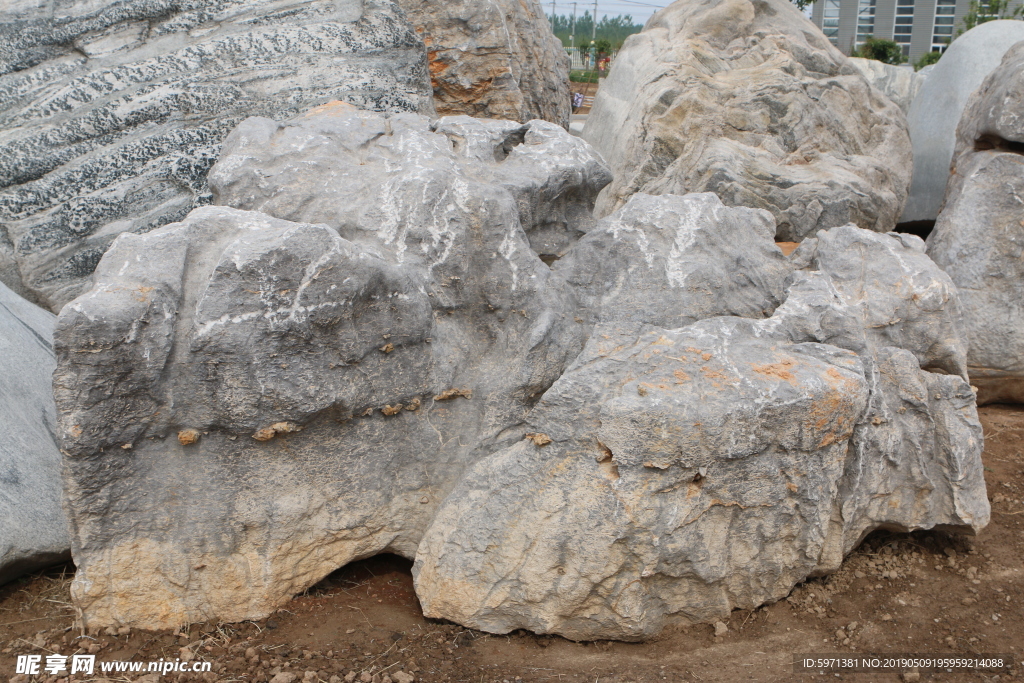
[
  {"x": 979, "y": 236},
  {"x": 696, "y": 470},
  {"x": 496, "y": 59},
  {"x": 899, "y": 83},
  {"x": 298, "y": 396},
  {"x": 748, "y": 100},
  {"x": 369, "y": 334},
  {"x": 33, "y": 529},
  {"x": 111, "y": 113},
  {"x": 937, "y": 109}
]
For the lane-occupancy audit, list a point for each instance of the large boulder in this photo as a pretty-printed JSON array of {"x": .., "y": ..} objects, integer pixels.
[
  {"x": 33, "y": 529},
  {"x": 979, "y": 236},
  {"x": 899, "y": 83},
  {"x": 750, "y": 101},
  {"x": 496, "y": 59},
  {"x": 293, "y": 396},
  {"x": 112, "y": 112},
  {"x": 938, "y": 107},
  {"x": 696, "y": 470},
  {"x": 358, "y": 353}
]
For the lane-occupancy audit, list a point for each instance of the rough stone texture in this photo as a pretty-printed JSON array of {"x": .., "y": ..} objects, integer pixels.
[
  {"x": 748, "y": 100},
  {"x": 298, "y": 396},
  {"x": 937, "y": 109},
  {"x": 495, "y": 59},
  {"x": 696, "y": 470},
  {"x": 899, "y": 83},
  {"x": 33, "y": 530},
  {"x": 307, "y": 376},
  {"x": 112, "y": 112},
  {"x": 979, "y": 236}
]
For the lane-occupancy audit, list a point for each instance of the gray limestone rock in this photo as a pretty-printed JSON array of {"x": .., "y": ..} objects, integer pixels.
[
  {"x": 696, "y": 470},
  {"x": 33, "y": 529},
  {"x": 899, "y": 83},
  {"x": 294, "y": 396},
  {"x": 496, "y": 59},
  {"x": 937, "y": 109},
  {"x": 748, "y": 100},
  {"x": 979, "y": 236},
  {"x": 112, "y": 112},
  {"x": 368, "y": 352}
]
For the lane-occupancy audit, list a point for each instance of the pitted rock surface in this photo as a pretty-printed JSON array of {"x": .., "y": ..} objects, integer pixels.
[
  {"x": 33, "y": 529},
  {"x": 979, "y": 236},
  {"x": 111, "y": 113},
  {"x": 748, "y": 100},
  {"x": 359, "y": 353},
  {"x": 495, "y": 59}
]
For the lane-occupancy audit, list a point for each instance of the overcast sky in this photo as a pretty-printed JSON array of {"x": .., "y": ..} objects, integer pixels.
[{"x": 641, "y": 11}]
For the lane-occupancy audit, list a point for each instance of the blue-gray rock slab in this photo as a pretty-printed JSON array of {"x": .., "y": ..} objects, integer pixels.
[
  {"x": 33, "y": 528},
  {"x": 112, "y": 112},
  {"x": 939, "y": 105}
]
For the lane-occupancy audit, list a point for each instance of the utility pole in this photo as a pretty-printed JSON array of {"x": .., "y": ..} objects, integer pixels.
[
  {"x": 552, "y": 16},
  {"x": 594, "y": 37},
  {"x": 572, "y": 30}
]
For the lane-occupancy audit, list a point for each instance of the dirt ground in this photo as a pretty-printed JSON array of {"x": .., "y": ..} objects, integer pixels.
[{"x": 921, "y": 593}]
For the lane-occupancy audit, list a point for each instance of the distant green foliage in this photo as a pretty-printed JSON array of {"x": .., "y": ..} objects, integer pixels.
[
  {"x": 981, "y": 12},
  {"x": 585, "y": 76},
  {"x": 614, "y": 30},
  {"x": 886, "y": 51},
  {"x": 803, "y": 4},
  {"x": 926, "y": 59}
]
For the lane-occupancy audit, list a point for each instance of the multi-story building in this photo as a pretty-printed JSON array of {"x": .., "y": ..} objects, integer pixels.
[{"x": 919, "y": 26}]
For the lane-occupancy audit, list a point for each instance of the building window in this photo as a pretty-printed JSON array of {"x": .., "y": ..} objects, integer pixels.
[
  {"x": 865, "y": 20},
  {"x": 942, "y": 32},
  {"x": 904, "y": 25},
  {"x": 830, "y": 21}
]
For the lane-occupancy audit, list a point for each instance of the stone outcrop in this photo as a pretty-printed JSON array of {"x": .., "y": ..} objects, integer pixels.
[
  {"x": 111, "y": 113},
  {"x": 366, "y": 344},
  {"x": 937, "y": 110},
  {"x": 899, "y": 83},
  {"x": 748, "y": 100},
  {"x": 979, "y": 236},
  {"x": 697, "y": 470},
  {"x": 33, "y": 529},
  {"x": 496, "y": 59}
]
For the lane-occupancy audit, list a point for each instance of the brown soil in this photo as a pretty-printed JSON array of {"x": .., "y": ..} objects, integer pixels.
[{"x": 908, "y": 593}]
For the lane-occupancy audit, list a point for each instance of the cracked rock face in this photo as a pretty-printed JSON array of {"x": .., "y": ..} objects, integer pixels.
[
  {"x": 979, "y": 236},
  {"x": 33, "y": 530},
  {"x": 112, "y": 113},
  {"x": 300, "y": 395},
  {"x": 495, "y": 59},
  {"x": 748, "y": 100},
  {"x": 696, "y": 470},
  {"x": 365, "y": 350}
]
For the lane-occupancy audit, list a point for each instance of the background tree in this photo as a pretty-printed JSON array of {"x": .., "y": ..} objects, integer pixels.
[
  {"x": 615, "y": 30},
  {"x": 886, "y": 51},
  {"x": 926, "y": 59},
  {"x": 979, "y": 12}
]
